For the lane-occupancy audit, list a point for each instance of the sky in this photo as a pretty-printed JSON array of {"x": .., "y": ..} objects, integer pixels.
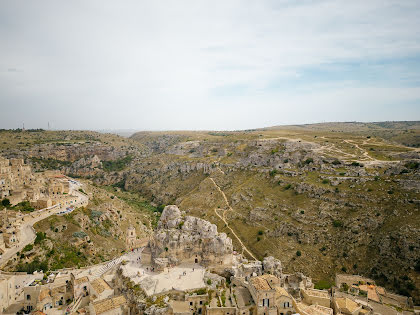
[{"x": 207, "y": 65}]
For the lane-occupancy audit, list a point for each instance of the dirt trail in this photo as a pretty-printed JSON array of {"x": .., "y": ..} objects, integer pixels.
[{"x": 223, "y": 218}]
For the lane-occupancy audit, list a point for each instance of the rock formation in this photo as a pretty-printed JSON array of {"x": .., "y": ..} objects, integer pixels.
[{"x": 188, "y": 239}]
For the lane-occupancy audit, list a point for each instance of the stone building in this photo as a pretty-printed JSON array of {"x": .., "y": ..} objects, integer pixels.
[
  {"x": 131, "y": 240},
  {"x": 7, "y": 291}
]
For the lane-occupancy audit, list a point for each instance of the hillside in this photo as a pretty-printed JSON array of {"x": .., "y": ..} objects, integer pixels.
[{"x": 325, "y": 198}]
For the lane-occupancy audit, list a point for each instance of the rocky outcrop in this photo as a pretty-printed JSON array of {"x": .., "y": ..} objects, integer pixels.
[{"x": 189, "y": 239}]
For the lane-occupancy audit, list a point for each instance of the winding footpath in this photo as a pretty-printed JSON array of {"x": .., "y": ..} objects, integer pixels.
[{"x": 223, "y": 218}]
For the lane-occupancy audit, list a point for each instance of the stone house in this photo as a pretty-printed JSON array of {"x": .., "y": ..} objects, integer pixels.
[
  {"x": 318, "y": 297},
  {"x": 80, "y": 286},
  {"x": 116, "y": 305},
  {"x": 7, "y": 291},
  {"x": 342, "y": 305},
  {"x": 263, "y": 295},
  {"x": 45, "y": 297},
  {"x": 284, "y": 302},
  {"x": 197, "y": 302},
  {"x": 100, "y": 289}
]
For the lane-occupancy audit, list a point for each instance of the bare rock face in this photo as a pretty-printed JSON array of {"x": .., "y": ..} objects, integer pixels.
[
  {"x": 273, "y": 265},
  {"x": 189, "y": 239},
  {"x": 170, "y": 218}
]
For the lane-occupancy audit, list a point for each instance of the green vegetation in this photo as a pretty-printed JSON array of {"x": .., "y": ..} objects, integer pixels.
[
  {"x": 5, "y": 202},
  {"x": 49, "y": 163},
  {"x": 117, "y": 165},
  {"x": 23, "y": 206},
  {"x": 40, "y": 236},
  {"x": 323, "y": 285},
  {"x": 28, "y": 248},
  {"x": 298, "y": 253}
]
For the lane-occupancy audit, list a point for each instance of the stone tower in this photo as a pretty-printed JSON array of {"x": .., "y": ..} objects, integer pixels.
[{"x": 131, "y": 238}]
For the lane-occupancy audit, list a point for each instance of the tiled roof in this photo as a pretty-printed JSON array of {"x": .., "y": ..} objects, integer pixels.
[
  {"x": 109, "y": 304},
  {"x": 281, "y": 291},
  {"x": 57, "y": 290},
  {"x": 44, "y": 294},
  {"x": 81, "y": 280},
  {"x": 99, "y": 285},
  {"x": 260, "y": 284}
]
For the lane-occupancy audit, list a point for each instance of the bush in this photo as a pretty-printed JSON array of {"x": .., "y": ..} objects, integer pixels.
[
  {"x": 298, "y": 253},
  {"x": 309, "y": 161},
  {"x": 28, "y": 248},
  {"x": 272, "y": 173},
  {"x": 338, "y": 223},
  {"x": 40, "y": 236},
  {"x": 336, "y": 162},
  {"x": 412, "y": 165},
  {"x": 160, "y": 208},
  {"x": 344, "y": 269},
  {"x": 288, "y": 186},
  {"x": 325, "y": 181},
  {"x": 117, "y": 165},
  {"x": 260, "y": 232},
  {"x": 5, "y": 202},
  {"x": 209, "y": 281},
  {"x": 24, "y": 206}
]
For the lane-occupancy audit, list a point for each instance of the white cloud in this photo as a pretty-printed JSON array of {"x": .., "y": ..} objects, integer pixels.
[{"x": 156, "y": 64}]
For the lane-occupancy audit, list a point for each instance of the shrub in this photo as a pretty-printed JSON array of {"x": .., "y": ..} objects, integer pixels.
[
  {"x": 309, "y": 161},
  {"x": 258, "y": 238},
  {"x": 260, "y": 232},
  {"x": 412, "y": 165},
  {"x": 344, "y": 269},
  {"x": 288, "y": 186},
  {"x": 325, "y": 181},
  {"x": 302, "y": 211},
  {"x": 117, "y": 165},
  {"x": 298, "y": 253},
  {"x": 336, "y": 162},
  {"x": 338, "y": 223},
  {"x": 209, "y": 281},
  {"x": 40, "y": 236},
  {"x": 28, "y": 248},
  {"x": 160, "y": 208},
  {"x": 5, "y": 202},
  {"x": 272, "y": 173}
]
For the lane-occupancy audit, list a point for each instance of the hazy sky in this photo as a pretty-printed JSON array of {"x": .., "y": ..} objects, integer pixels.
[{"x": 153, "y": 65}]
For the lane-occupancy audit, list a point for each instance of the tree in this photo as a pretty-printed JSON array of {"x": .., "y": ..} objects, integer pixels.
[{"x": 5, "y": 202}]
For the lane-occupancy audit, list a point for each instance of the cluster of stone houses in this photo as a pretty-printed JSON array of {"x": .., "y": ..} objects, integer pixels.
[
  {"x": 43, "y": 189},
  {"x": 61, "y": 293}
]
